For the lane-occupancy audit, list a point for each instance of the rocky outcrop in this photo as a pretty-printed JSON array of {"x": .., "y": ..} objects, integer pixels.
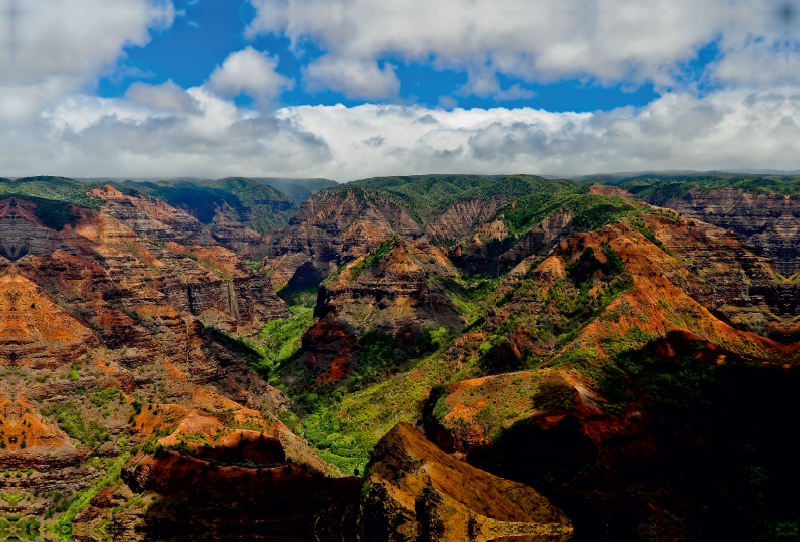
[
  {"x": 460, "y": 220},
  {"x": 636, "y": 461},
  {"x": 152, "y": 218},
  {"x": 416, "y": 492},
  {"x": 768, "y": 221},
  {"x": 329, "y": 229},
  {"x": 393, "y": 293},
  {"x": 608, "y": 190},
  {"x": 339, "y": 225},
  {"x": 536, "y": 241},
  {"x": 110, "y": 342}
]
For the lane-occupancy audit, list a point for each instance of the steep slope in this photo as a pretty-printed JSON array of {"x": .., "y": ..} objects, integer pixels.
[
  {"x": 603, "y": 335},
  {"x": 111, "y": 350},
  {"x": 639, "y": 389},
  {"x": 375, "y": 313},
  {"x": 340, "y": 224},
  {"x": 417, "y": 492},
  {"x": 762, "y": 210},
  {"x": 634, "y": 364},
  {"x": 236, "y": 212}
]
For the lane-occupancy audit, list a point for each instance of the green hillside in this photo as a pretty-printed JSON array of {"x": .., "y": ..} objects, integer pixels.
[{"x": 257, "y": 205}]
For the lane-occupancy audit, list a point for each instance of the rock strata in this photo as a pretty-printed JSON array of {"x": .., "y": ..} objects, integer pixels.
[{"x": 416, "y": 492}]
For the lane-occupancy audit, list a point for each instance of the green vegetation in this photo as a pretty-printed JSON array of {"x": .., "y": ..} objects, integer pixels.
[
  {"x": 280, "y": 339},
  {"x": 15, "y": 527},
  {"x": 255, "y": 204},
  {"x": 82, "y": 500},
  {"x": 103, "y": 398},
  {"x": 469, "y": 293},
  {"x": 55, "y": 191},
  {"x": 659, "y": 189},
  {"x": 69, "y": 418},
  {"x": 589, "y": 211},
  {"x": 423, "y": 195},
  {"x": 299, "y": 297},
  {"x": 346, "y": 428},
  {"x": 374, "y": 257}
]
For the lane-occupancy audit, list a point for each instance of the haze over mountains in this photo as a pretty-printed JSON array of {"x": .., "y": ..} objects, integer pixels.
[{"x": 234, "y": 359}]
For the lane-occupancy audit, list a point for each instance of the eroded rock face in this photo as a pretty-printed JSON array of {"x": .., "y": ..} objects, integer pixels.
[
  {"x": 329, "y": 229},
  {"x": 396, "y": 295},
  {"x": 336, "y": 227},
  {"x": 416, "y": 492},
  {"x": 460, "y": 220},
  {"x": 767, "y": 221},
  {"x": 152, "y": 218},
  {"x": 645, "y": 393},
  {"x": 110, "y": 352}
]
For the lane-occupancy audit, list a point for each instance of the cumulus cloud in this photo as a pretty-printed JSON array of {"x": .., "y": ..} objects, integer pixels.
[
  {"x": 610, "y": 40},
  {"x": 727, "y": 130},
  {"x": 87, "y": 136},
  {"x": 59, "y": 47},
  {"x": 249, "y": 72},
  {"x": 164, "y": 97},
  {"x": 50, "y": 126},
  {"x": 352, "y": 77},
  {"x": 76, "y": 38}
]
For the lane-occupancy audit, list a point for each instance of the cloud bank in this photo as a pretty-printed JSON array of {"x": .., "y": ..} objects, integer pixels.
[{"x": 87, "y": 136}]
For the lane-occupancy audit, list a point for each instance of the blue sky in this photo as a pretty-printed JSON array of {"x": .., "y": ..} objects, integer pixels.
[
  {"x": 347, "y": 89},
  {"x": 210, "y": 30}
]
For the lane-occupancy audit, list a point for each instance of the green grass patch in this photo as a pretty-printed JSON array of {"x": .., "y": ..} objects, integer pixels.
[
  {"x": 82, "y": 500},
  {"x": 374, "y": 257},
  {"x": 280, "y": 339},
  {"x": 69, "y": 418}
]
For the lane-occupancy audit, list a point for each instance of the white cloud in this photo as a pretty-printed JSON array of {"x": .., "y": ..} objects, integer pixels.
[
  {"x": 164, "y": 97},
  {"x": 514, "y": 92},
  {"x": 352, "y": 77},
  {"x": 249, "y": 72},
  {"x": 49, "y": 126},
  {"x": 86, "y": 136},
  {"x": 61, "y": 46},
  {"x": 76, "y": 38},
  {"x": 612, "y": 40}
]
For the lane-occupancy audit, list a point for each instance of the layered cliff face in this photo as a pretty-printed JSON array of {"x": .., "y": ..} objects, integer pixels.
[
  {"x": 237, "y": 211},
  {"x": 637, "y": 392},
  {"x": 626, "y": 361},
  {"x": 112, "y": 350},
  {"x": 416, "y": 492},
  {"x": 392, "y": 298},
  {"x": 595, "y": 340},
  {"x": 393, "y": 264},
  {"x": 340, "y": 224},
  {"x": 125, "y": 413},
  {"x": 151, "y": 218},
  {"x": 329, "y": 230},
  {"x": 764, "y": 220}
]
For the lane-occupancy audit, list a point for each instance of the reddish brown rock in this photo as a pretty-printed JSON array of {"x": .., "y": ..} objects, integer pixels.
[{"x": 416, "y": 492}]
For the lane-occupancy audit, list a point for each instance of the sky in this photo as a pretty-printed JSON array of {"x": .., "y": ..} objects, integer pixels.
[{"x": 348, "y": 89}]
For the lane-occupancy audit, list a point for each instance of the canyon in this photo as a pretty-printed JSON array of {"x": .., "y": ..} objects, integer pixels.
[{"x": 430, "y": 358}]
